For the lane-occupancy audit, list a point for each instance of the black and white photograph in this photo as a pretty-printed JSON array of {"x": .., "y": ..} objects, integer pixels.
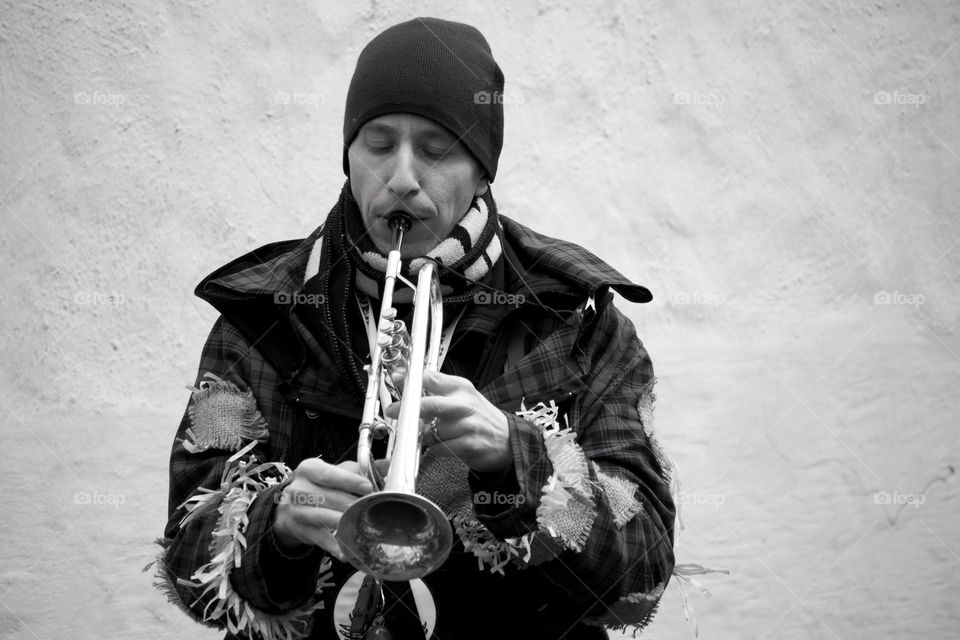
[{"x": 423, "y": 320}]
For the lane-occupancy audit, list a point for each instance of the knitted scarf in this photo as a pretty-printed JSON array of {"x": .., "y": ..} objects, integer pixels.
[{"x": 345, "y": 260}]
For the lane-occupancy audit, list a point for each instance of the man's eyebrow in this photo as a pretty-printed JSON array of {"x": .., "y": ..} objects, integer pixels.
[
  {"x": 432, "y": 133},
  {"x": 378, "y": 127},
  {"x": 439, "y": 133}
]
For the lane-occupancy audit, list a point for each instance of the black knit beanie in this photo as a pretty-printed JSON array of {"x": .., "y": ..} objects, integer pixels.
[{"x": 433, "y": 68}]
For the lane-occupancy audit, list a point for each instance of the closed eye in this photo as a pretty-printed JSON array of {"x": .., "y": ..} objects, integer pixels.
[{"x": 435, "y": 152}]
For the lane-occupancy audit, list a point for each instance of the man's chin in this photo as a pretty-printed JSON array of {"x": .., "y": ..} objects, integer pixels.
[
  {"x": 417, "y": 243},
  {"x": 408, "y": 250}
]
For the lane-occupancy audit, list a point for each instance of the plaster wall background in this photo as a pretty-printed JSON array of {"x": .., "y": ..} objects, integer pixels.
[{"x": 783, "y": 176}]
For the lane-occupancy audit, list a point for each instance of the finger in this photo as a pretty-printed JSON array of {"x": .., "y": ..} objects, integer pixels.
[
  {"x": 398, "y": 377},
  {"x": 312, "y": 498},
  {"x": 438, "y": 383},
  {"x": 431, "y": 407},
  {"x": 443, "y": 407},
  {"x": 327, "y": 541},
  {"x": 324, "y": 474},
  {"x": 313, "y": 519},
  {"x": 392, "y": 411},
  {"x": 350, "y": 465},
  {"x": 321, "y": 537}
]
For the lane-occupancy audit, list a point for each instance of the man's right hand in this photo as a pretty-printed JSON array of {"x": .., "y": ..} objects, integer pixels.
[{"x": 310, "y": 507}]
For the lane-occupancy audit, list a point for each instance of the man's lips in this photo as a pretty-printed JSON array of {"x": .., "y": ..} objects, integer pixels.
[{"x": 413, "y": 217}]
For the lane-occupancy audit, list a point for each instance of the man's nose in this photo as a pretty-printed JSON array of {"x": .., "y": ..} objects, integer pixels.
[{"x": 404, "y": 178}]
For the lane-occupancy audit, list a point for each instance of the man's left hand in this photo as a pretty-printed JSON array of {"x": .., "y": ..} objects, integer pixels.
[{"x": 468, "y": 425}]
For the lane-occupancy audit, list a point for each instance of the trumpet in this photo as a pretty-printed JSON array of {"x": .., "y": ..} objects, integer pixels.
[{"x": 394, "y": 534}]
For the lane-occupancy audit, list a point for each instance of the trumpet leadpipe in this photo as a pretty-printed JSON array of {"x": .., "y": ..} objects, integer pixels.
[{"x": 395, "y": 534}]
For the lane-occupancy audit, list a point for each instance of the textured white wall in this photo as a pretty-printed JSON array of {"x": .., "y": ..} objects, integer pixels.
[{"x": 767, "y": 169}]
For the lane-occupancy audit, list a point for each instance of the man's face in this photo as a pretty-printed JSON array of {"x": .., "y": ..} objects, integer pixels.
[{"x": 404, "y": 162}]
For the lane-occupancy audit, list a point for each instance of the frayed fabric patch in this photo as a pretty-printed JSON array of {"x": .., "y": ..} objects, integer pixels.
[
  {"x": 645, "y": 405},
  {"x": 238, "y": 489},
  {"x": 567, "y": 507},
  {"x": 444, "y": 480},
  {"x": 222, "y": 417},
  {"x": 621, "y": 496},
  {"x": 631, "y": 613}
]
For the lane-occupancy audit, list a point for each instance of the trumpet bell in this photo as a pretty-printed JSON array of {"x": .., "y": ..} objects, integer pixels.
[{"x": 395, "y": 535}]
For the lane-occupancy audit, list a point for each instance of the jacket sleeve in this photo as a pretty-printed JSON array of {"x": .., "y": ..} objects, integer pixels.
[
  {"x": 593, "y": 504},
  {"x": 220, "y": 561}
]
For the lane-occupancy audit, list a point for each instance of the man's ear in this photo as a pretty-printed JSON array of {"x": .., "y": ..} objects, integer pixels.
[{"x": 482, "y": 187}]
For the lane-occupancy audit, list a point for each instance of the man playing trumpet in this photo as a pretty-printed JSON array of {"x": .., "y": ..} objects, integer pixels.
[{"x": 535, "y": 430}]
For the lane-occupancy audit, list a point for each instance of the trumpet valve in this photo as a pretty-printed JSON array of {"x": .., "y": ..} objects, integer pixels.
[
  {"x": 380, "y": 429},
  {"x": 394, "y": 342}
]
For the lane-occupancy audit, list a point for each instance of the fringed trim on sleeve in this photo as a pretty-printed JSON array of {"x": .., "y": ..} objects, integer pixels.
[
  {"x": 527, "y": 550},
  {"x": 238, "y": 490},
  {"x": 631, "y": 613},
  {"x": 222, "y": 417},
  {"x": 567, "y": 507},
  {"x": 489, "y": 551},
  {"x": 683, "y": 572},
  {"x": 163, "y": 582},
  {"x": 621, "y": 496}
]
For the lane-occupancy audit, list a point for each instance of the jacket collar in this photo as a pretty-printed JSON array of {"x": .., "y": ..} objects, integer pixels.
[
  {"x": 276, "y": 268},
  {"x": 545, "y": 264},
  {"x": 566, "y": 263},
  {"x": 254, "y": 291}
]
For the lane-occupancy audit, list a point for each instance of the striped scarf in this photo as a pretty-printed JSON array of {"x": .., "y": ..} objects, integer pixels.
[{"x": 344, "y": 259}]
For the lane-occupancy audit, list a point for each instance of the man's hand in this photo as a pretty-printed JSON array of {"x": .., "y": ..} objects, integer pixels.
[
  {"x": 468, "y": 426},
  {"x": 310, "y": 506}
]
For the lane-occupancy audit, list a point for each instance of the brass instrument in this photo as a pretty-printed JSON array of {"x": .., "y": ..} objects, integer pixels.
[{"x": 394, "y": 534}]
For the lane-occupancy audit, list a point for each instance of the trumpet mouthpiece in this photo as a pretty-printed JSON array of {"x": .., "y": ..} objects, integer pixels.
[{"x": 400, "y": 219}]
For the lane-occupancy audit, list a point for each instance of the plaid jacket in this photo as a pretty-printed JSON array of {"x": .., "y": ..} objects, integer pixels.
[{"x": 585, "y": 358}]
